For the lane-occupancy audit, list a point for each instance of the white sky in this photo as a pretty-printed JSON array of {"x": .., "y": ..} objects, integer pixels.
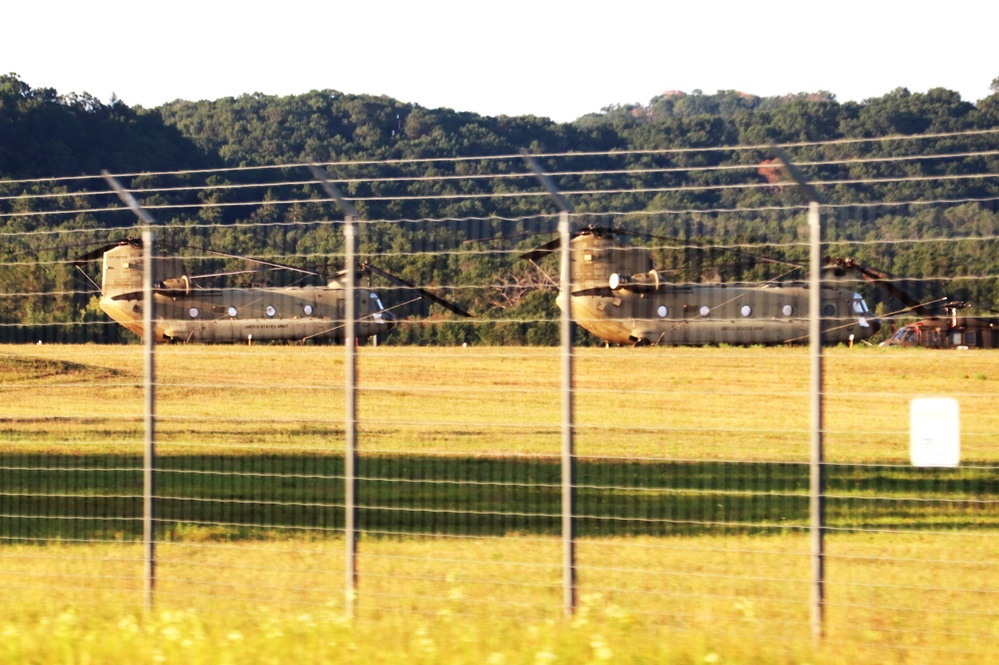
[{"x": 560, "y": 59}]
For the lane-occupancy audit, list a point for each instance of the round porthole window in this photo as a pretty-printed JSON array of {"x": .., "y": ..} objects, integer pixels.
[
  {"x": 705, "y": 310},
  {"x": 787, "y": 310},
  {"x": 231, "y": 311},
  {"x": 270, "y": 310},
  {"x": 829, "y": 309},
  {"x": 663, "y": 311},
  {"x": 193, "y": 312},
  {"x": 746, "y": 310},
  {"x": 308, "y": 310}
]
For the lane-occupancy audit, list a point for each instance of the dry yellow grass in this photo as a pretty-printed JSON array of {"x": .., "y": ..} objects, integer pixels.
[
  {"x": 916, "y": 597},
  {"x": 675, "y": 403}
]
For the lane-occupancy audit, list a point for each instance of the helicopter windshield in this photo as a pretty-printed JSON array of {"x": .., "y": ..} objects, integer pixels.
[
  {"x": 859, "y": 305},
  {"x": 907, "y": 335},
  {"x": 376, "y": 302}
]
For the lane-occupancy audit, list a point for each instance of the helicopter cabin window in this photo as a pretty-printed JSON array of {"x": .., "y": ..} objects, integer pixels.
[
  {"x": 589, "y": 267},
  {"x": 663, "y": 311},
  {"x": 787, "y": 310},
  {"x": 829, "y": 309},
  {"x": 705, "y": 310},
  {"x": 270, "y": 310},
  {"x": 746, "y": 310},
  {"x": 193, "y": 312},
  {"x": 308, "y": 310},
  {"x": 231, "y": 311}
]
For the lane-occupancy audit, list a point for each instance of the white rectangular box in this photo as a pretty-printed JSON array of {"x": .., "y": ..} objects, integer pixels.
[{"x": 935, "y": 432}]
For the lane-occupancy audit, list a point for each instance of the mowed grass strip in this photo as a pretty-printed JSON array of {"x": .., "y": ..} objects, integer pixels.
[
  {"x": 459, "y": 440},
  {"x": 740, "y": 404}
]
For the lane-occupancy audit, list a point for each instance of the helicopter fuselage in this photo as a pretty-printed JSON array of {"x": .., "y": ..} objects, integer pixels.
[
  {"x": 190, "y": 314},
  {"x": 949, "y": 333},
  {"x": 720, "y": 314},
  {"x": 620, "y": 298}
]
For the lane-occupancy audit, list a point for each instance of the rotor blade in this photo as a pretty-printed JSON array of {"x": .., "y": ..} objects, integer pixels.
[
  {"x": 602, "y": 291},
  {"x": 95, "y": 254},
  {"x": 234, "y": 272},
  {"x": 883, "y": 280},
  {"x": 543, "y": 250},
  {"x": 423, "y": 292},
  {"x": 278, "y": 266}
]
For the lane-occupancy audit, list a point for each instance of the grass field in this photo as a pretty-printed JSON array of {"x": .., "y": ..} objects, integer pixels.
[{"x": 692, "y": 495}]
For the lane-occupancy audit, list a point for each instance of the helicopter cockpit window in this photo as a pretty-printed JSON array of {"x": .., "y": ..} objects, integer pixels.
[
  {"x": 270, "y": 310},
  {"x": 787, "y": 310},
  {"x": 377, "y": 314},
  {"x": 308, "y": 310},
  {"x": 705, "y": 310},
  {"x": 231, "y": 311},
  {"x": 746, "y": 310},
  {"x": 906, "y": 335},
  {"x": 859, "y": 305},
  {"x": 193, "y": 312},
  {"x": 663, "y": 311}
]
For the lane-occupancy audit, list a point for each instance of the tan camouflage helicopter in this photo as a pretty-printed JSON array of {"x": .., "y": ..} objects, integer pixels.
[
  {"x": 188, "y": 312},
  {"x": 619, "y": 296}
]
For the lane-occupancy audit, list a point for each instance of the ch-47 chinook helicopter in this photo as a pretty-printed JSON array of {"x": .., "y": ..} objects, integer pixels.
[
  {"x": 187, "y": 312},
  {"x": 620, "y": 297}
]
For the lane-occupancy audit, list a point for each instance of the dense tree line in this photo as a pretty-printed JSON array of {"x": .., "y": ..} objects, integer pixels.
[{"x": 384, "y": 144}]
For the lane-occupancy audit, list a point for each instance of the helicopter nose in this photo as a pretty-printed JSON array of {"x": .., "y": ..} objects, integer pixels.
[{"x": 874, "y": 324}]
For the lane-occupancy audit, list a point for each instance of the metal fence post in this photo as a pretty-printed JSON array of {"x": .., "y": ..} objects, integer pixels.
[
  {"x": 149, "y": 418},
  {"x": 350, "y": 459},
  {"x": 350, "y": 426},
  {"x": 816, "y": 500},
  {"x": 568, "y": 447},
  {"x": 816, "y": 481},
  {"x": 149, "y": 450},
  {"x": 568, "y": 456}
]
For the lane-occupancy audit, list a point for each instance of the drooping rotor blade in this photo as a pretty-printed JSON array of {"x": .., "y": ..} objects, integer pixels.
[
  {"x": 97, "y": 253},
  {"x": 882, "y": 280},
  {"x": 988, "y": 308},
  {"x": 129, "y": 200},
  {"x": 269, "y": 264},
  {"x": 542, "y": 251},
  {"x": 233, "y": 272},
  {"x": 450, "y": 306},
  {"x": 602, "y": 291}
]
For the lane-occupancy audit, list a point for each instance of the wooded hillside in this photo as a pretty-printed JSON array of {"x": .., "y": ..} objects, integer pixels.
[{"x": 652, "y": 165}]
